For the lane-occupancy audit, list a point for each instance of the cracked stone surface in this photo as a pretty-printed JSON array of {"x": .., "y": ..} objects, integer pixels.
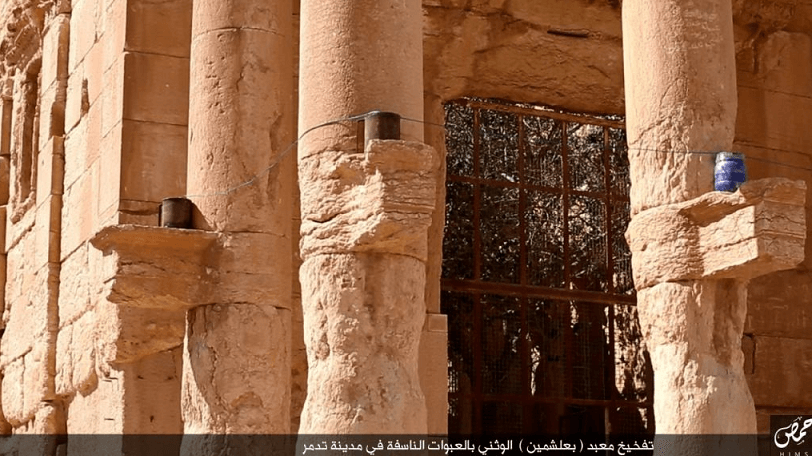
[{"x": 693, "y": 249}]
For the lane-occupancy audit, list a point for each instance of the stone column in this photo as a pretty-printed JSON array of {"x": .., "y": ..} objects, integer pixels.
[
  {"x": 693, "y": 254},
  {"x": 237, "y": 349},
  {"x": 365, "y": 216},
  {"x": 680, "y": 78}
]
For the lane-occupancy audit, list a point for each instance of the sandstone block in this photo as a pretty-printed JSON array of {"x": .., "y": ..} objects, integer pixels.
[
  {"x": 759, "y": 229},
  {"x": 151, "y": 388},
  {"x": 52, "y": 112},
  {"x": 50, "y": 169},
  {"x": 47, "y": 232},
  {"x": 773, "y": 119},
  {"x": 115, "y": 34},
  {"x": 39, "y": 375},
  {"x": 156, "y": 88},
  {"x": 4, "y": 178},
  {"x": 153, "y": 160},
  {"x": 85, "y": 24},
  {"x": 3, "y": 312},
  {"x": 75, "y": 288},
  {"x": 84, "y": 86},
  {"x": 48, "y": 421},
  {"x": 134, "y": 212},
  {"x": 76, "y": 356},
  {"x": 13, "y": 392},
  {"x": 110, "y": 179},
  {"x": 139, "y": 258},
  {"x": 79, "y": 209},
  {"x": 128, "y": 334},
  {"x": 433, "y": 371},
  {"x": 105, "y": 402},
  {"x": 15, "y": 261},
  {"x": 781, "y": 364},
  {"x": 112, "y": 98},
  {"x": 27, "y": 383},
  {"x": 75, "y": 98},
  {"x": 783, "y": 63},
  {"x": 159, "y": 28},
  {"x": 772, "y": 298},
  {"x": 379, "y": 202},
  {"x": 55, "y": 44},
  {"x": 93, "y": 72},
  {"x": 83, "y": 144},
  {"x": 31, "y": 317},
  {"x": 3, "y": 211}
]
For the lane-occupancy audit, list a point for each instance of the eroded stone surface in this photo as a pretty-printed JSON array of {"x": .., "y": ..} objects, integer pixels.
[
  {"x": 363, "y": 284},
  {"x": 363, "y": 317},
  {"x": 693, "y": 334},
  {"x": 380, "y": 201},
  {"x": 237, "y": 347},
  {"x": 681, "y": 107},
  {"x": 237, "y": 366},
  {"x": 757, "y": 230}
]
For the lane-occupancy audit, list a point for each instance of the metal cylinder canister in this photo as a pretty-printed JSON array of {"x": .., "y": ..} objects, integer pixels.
[
  {"x": 176, "y": 213},
  {"x": 730, "y": 172},
  {"x": 381, "y": 125}
]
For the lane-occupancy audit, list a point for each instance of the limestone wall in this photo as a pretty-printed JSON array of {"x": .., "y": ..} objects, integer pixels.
[
  {"x": 107, "y": 141},
  {"x": 774, "y": 72}
]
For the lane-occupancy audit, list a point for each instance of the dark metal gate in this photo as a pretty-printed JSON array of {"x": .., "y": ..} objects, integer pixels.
[{"x": 537, "y": 285}]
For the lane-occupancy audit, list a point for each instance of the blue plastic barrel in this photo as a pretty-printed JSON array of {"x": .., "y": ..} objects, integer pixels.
[{"x": 729, "y": 172}]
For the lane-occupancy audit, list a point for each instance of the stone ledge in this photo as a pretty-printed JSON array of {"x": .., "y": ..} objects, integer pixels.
[
  {"x": 436, "y": 323},
  {"x": 759, "y": 229},
  {"x": 178, "y": 269},
  {"x": 153, "y": 267}
]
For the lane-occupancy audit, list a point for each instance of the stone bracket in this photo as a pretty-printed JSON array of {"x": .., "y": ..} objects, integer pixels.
[
  {"x": 178, "y": 269},
  {"x": 379, "y": 202},
  {"x": 761, "y": 228},
  {"x": 154, "y": 267}
]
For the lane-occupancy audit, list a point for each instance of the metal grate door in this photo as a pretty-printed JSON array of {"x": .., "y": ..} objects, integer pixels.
[{"x": 537, "y": 284}]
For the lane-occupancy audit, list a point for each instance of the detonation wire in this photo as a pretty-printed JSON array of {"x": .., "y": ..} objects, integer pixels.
[{"x": 278, "y": 159}]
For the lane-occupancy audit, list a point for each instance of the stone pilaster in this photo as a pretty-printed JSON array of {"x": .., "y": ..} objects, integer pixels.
[
  {"x": 237, "y": 349},
  {"x": 365, "y": 216}
]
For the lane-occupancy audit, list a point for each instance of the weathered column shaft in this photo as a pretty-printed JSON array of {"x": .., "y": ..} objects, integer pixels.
[
  {"x": 680, "y": 78},
  {"x": 237, "y": 348},
  {"x": 356, "y": 56},
  {"x": 365, "y": 216},
  {"x": 680, "y": 82}
]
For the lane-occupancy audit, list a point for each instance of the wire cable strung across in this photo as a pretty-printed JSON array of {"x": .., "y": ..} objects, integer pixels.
[{"x": 358, "y": 117}]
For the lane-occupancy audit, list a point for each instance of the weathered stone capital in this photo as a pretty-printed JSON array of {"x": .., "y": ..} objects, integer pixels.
[
  {"x": 380, "y": 201},
  {"x": 759, "y": 229}
]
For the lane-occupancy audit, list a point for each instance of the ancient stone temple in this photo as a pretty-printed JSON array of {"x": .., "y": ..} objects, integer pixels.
[{"x": 252, "y": 217}]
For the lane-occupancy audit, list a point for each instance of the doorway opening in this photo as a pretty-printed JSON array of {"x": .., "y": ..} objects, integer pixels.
[{"x": 537, "y": 283}]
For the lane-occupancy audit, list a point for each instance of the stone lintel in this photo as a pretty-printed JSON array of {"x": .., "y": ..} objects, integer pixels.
[
  {"x": 379, "y": 202},
  {"x": 759, "y": 229},
  {"x": 153, "y": 267}
]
